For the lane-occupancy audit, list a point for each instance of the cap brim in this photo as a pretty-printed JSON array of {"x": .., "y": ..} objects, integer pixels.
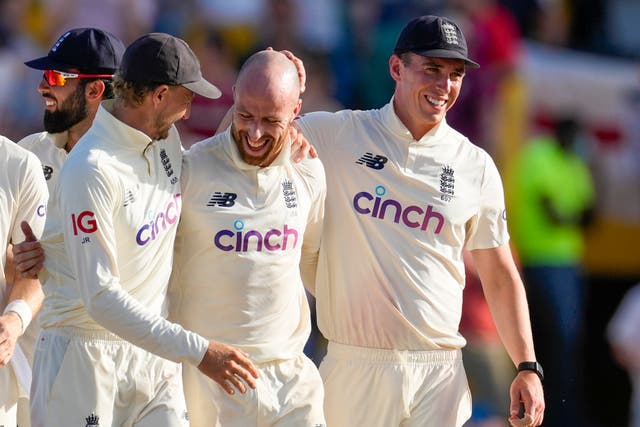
[
  {"x": 204, "y": 88},
  {"x": 443, "y": 53},
  {"x": 45, "y": 63}
]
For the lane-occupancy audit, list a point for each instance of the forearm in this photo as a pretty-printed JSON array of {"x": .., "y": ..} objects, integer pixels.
[
  {"x": 120, "y": 313},
  {"x": 506, "y": 297}
]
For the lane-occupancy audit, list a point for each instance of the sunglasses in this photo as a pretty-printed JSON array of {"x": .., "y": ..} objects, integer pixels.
[{"x": 59, "y": 78}]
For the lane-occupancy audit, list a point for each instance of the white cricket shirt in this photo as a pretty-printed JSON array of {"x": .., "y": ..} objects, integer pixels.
[
  {"x": 49, "y": 148},
  {"x": 399, "y": 213},
  {"x": 23, "y": 197},
  {"x": 243, "y": 233},
  {"x": 109, "y": 238}
]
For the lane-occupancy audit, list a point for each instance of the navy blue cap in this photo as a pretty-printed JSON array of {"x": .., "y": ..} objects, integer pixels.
[
  {"x": 88, "y": 50},
  {"x": 434, "y": 36},
  {"x": 164, "y": 59}
]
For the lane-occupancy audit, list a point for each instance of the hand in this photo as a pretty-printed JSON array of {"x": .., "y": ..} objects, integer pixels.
[
  {"x": 10, "y": 330},
  {"x": 300, "y": 147},
  {"x": 527, "y": 388},
  {"x": 302, "y": 73},
  {"x": 227, "y": 366},
  {"x": 28, "y": 256}
]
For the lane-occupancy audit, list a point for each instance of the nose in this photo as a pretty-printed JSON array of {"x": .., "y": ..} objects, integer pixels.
[
  {"x": 43, "y": 86},
  {"x": 444, "y": 82},
  {"x": 254, "y": 131}
]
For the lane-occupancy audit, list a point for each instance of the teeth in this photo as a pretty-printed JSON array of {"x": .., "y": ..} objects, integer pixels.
[
  {"x": 435, "y": 101},
  {"x": 256, "y": 144},
  {"x": 49, "y": 103}
]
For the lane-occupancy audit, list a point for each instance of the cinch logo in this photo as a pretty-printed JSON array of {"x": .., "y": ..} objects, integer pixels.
[
  {"x": 84, "y": 222},
  {"x": 272, "y": 240},
  {"x": 412, "y": 216},
  {"x": 41, "y": 211},
  {"x": 374, "y": 162},
  {"x": 224, "y": 200},
  {"x": 159, "y": 222}
]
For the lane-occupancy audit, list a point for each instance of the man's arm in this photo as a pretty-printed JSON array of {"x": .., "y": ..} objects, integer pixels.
[{"x": 507, "y": 302}]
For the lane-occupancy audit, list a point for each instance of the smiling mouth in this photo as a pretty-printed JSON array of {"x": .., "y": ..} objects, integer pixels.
[
  {"x": 256, "y": 146},
  {"x": 436, "y": 102}
]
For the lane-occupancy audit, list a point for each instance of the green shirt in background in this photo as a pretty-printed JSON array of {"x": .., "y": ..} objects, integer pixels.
[{"x": 545, "y": 169}]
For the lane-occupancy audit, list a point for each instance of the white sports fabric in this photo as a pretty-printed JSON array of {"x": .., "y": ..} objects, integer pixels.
[
  {"x": 49, "y": 148},
  {"x": 141, "y": 390},
  {"x": 23, "y": 197},
  {"x": 394, "y": 388},
  {"x": 399, "y": 213},
  {"x": 109, "y": 237},
  {"x": 289, "y": 393},
  {"x": 244, "y": 232}
]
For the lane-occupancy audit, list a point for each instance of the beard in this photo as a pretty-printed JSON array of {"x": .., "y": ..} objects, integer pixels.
[
  {"x": 70, "y": 112},
  {"x": 263, "y": 159}
]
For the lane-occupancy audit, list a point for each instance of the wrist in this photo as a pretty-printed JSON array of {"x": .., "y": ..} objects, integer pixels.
[
  {"x": 531, "y": 366},
  {"x": 21, "y": 309}
]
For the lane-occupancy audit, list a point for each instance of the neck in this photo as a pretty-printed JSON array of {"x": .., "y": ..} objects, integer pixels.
[
  {"x": 76, "y": 131},
  {"x": 416, "y": 128},
  {"x": 133, "y": 116}
]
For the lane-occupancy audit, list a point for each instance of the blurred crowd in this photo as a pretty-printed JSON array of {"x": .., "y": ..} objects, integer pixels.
[{"x": 345, "y": 45}]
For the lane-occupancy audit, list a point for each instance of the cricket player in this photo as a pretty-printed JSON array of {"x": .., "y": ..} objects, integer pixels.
[
  {"x": 76, "y": 77},
  {"x": 406, "y": 195},
  {"x": 107, "y": 355},
  {"x": 23, "y": 197},
  {"x": 249, "y": 233}
]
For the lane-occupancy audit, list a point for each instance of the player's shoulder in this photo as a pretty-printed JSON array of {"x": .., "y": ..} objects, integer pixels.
[
  {"x": 34, "y": 140},
  {"x": 208, "y": 147},
  {"x": 466, "y": 148},
  {"x": 12, "y": 151}
]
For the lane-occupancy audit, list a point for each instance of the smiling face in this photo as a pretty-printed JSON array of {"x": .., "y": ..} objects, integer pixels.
[
  {"x": 65, "y": 106},
  {"x": 426, "y": 88},
  {"x": 266, "y": 98},
  {"x": 176, "y": 105}
]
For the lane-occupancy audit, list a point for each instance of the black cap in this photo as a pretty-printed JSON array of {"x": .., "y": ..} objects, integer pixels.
[
  {"x": 164, "y": 59},
  {"x": 88, "y": 50},
  {"x": 434, "y": 36}
]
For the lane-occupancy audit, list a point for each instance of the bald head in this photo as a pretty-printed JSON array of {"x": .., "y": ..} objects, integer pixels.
[{"x": 269, "y": 74}]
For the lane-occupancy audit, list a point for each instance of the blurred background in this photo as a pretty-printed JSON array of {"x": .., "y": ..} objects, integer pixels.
[{"x": 542, "y": 62}]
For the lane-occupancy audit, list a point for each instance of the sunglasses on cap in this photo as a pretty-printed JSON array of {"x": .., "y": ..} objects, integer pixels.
[{"x": 59, "y": 78}]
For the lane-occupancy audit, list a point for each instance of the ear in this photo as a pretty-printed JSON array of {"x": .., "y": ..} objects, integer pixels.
[
  {"x": 296, "y": 111},
  {"x": 94, "y": 91},
  {"x": 395, "y": 65},
  {"x": 159, "y": 94}
]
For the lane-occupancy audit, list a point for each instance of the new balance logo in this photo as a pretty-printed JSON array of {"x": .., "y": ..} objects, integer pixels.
[
  {"x": 225, "y": 200},
  {"x": 129, "y": 197},
  {"x": 372, "y": 161},
  {"x": 48, "y": 171}
]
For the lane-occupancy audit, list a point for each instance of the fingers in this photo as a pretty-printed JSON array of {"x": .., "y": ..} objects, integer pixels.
[
  {"x": 28, "y": 258},
  {"x": 229, "y": 367},
  {"x": 302, "y": 74},
  {"x": 26, "y": 229},
  {"x": 526, "y": 389}
]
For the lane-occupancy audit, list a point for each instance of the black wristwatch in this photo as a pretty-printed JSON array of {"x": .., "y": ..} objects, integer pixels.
[{"x": 532, "y": 366}]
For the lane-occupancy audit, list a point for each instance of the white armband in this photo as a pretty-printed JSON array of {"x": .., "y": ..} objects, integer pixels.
[{"x": 22, "y": 309}]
